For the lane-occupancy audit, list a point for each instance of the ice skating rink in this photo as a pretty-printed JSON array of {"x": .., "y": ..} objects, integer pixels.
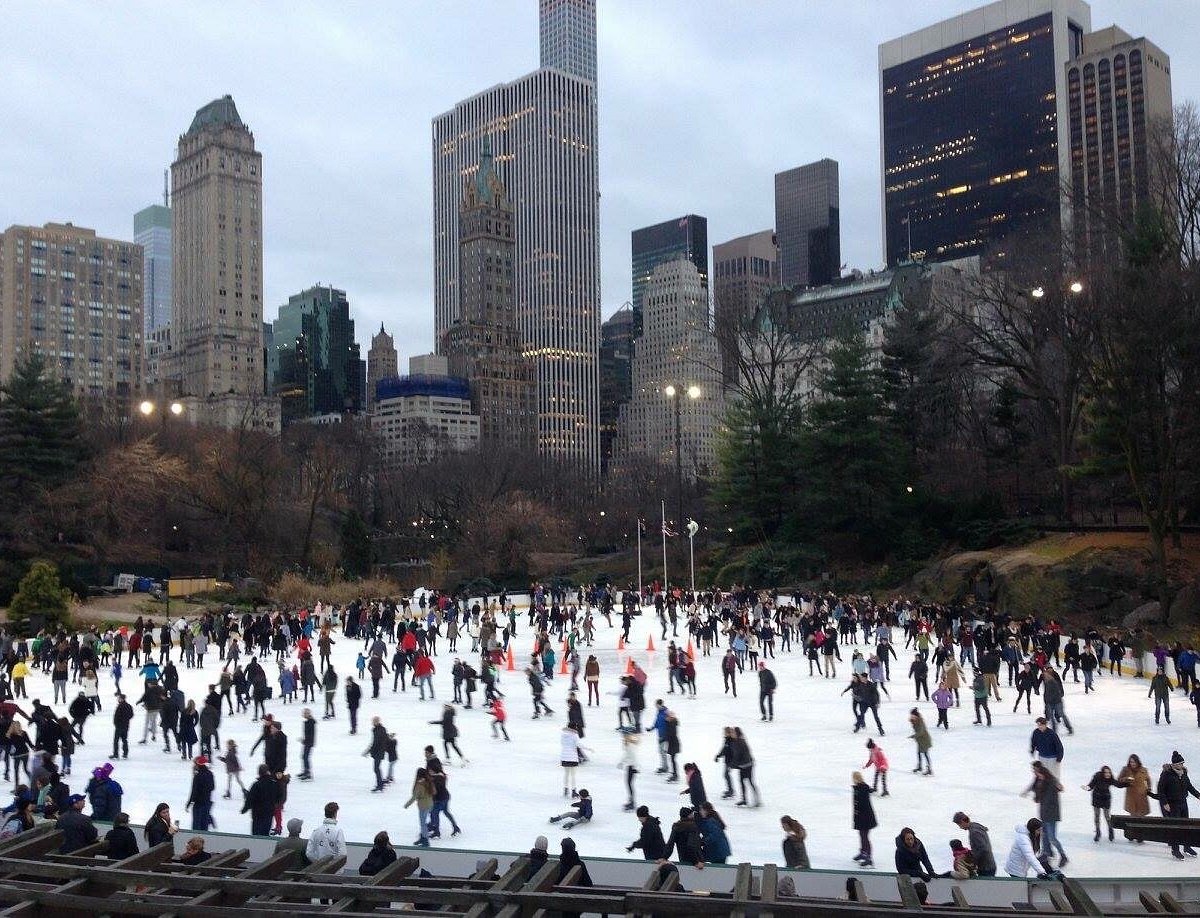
[{"x": 503, "y": 799}]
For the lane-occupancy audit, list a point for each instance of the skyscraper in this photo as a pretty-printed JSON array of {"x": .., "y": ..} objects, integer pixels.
[
  {"x": 1118, "y": 94},
  {"x": 974, "y": 128},
  {"x": 543, "y": 133},
  {"x": 744, "y": 270},
  {"x": 217, "y": 282},
  {"x": 75, "y": 299},
  {"x": 676, "y": 358},
  {"x": 382, "y": 362},
  {"x": 315, "y": 367},
  {"x": 616, "y": 380},
  {"x": 567, "y": 36},
  {"x": 483, "y": 344},
  {"x": 807, "y": 224},
  {"x": 152, "y": 231},
  {"x": 685, "y": 237}
]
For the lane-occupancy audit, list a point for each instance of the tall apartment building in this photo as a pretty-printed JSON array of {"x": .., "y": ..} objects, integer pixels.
[
  {"x": 808, "y": 224},
  {"x": 1118, "y": 94},
  {"x": 423, "y": 415},
  {"x": 483, "y": 344},
  {"x": 677, "y": 354},
  {"x": 152, "y": 231},
  {"x": 744, "y": 271},
  {"x": 616, "y": 379},
  {"x": 650, "y": 246},
  {"x": 217, "y": 283},
  {"x": 315, "y": 366},
  {"x": 974, "y": 128},
  {"x": 543, "y": 133},
  {"x": 74, "y": 298},
  {"x": 382, "y": 362}
]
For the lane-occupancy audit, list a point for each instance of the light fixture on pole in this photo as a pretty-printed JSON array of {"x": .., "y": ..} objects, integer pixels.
[
  {"x": 692, "y": 528},
  {"x": 675, "y": 394}
]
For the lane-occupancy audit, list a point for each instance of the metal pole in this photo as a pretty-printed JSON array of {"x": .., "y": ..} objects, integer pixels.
[
  {"x": 639, "y": 553},
  {"x": 664, "y": 541},
  {"x": 692, "y": 559},
  {"x": 678, "y": 460}
]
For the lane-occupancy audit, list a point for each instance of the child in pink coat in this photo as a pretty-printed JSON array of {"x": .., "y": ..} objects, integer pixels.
[{"x": 876, "y": 757}]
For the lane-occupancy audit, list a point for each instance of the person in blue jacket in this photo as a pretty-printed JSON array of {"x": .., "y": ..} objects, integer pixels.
[
  {"x": 712, "y": 831},
  {"x": 659, "y": 726}
]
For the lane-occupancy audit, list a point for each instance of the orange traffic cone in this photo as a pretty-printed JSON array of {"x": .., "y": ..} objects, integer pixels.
[
  {"x": 629, "y": 667},
  {"x": 562, "y": 670},
  {"x": 512, "y": 663},
  {"x": 620, "y": 643},
  {"x": 650, "y": 644},
  {"x": 691, "y": 652}
]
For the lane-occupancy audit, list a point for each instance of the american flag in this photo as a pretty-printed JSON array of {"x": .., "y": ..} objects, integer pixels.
[{"x": 667, "y": 530}]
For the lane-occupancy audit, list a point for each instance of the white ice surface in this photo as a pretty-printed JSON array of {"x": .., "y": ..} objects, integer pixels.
[{"x": 505, "y": 796}]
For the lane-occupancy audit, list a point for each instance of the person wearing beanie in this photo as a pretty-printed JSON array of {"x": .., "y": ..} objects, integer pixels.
[
  {"x": 77, "y": 829},
  {"x": 570, "y": 859},
  {"x": 1174, "y": 785},
  {"x": 876, "y": 757},
  {"x": 538, "y": 855},
  {"x": 104, "y": 793},
  {"x": 200, "y": 799},
  {"x": 292, "y": 841},
  {"x": 650, "y": 839}
]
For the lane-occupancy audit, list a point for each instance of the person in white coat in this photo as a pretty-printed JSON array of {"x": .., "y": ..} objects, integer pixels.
[
  {"x": 1022, "y": 857},
  {"x": 327, "y": 839},
  {"x": 569, "y": 758}
]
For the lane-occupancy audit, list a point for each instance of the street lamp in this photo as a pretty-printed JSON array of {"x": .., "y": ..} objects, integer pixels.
[
  {"x": 1076, "y": 287},
  {"x": 675, "y": 394},
  {"x": 1038, "y": 292}
]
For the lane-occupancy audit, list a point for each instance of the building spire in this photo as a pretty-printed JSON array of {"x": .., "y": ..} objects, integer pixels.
[{"x": 166, "y": 189}]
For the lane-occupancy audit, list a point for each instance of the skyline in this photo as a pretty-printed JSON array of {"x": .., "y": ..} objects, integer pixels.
[{"x": 346, "y": 148}]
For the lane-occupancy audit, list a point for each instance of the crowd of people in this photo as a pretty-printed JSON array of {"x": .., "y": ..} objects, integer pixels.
[{"x": 280, "y": 657}]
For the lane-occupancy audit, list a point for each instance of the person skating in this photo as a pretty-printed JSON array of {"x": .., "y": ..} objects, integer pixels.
[
  {"x": 377, "y": 750},
  {"x": 726, "y": 756},
  {"x": 980, "y": 843},
  {"x": 924, "y": 742},
  {"x": 911, "y": 857},
  {"x": 650, "y": 837},
  {"x": 353, "y": 700},
  {"x": 1045, "y": 745},
  {"x": 537, "y": 689},
  {"x": 1052, "y": 697},
  {"x": 450, "y": 733},
  {"x": 260, "y": 801},
  {"x": 569, "y": 758},
  {"x": 1026, "y": 682},
  {"x": 629, "y": 762},
  {"x": 441, "y": 800},
  {"x": 729, "y": 671},
  {"x": 745, "y": 767},
  {"x": 499, "y": 716},
  {"x": 863, "y": 818},
  {"x": 795, "y": 852},
  {"x": 575, "y": 719},
  {"x": 200, "y": 799},
  {"x": 695, "y": 784},
  {"x": 684, "y": 840},
  {"x": 1172, "y": 792},
  {"x": 766, "y": 692},
  {"x": 876, "y": 758},
  {"x": 581, "y": 812},
  {"x": 943, "y": 699},
  {"x": 122, "y": 717},
  {"x": 980, "y": 691},
  {"x": 1023, "y": 856},
  {"x": 307, "y": 741},
  {"x": 422, "y": 796},
  {"x": 1160, "y": 689},
  {"x": 1134, "y": 777},
  {"x": 1101, "y": 787},
  {"x": 1047, "y": 792}
]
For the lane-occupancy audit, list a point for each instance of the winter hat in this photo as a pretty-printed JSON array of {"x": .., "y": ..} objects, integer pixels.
[
  {"x": 107, "y": 768},
  {"x": 870, "y": 744},
  {"x": 583, "y": 792},
  {"x": 1176, "y": 758},
  {"x": 75, "y": 798},
  {"x": 201, "y": 760},
  {"x": 295, "y": 825},
  {"x": 568, "y": 844},
  {"x": 540, "y": 843},
  {"x": 643, "y": 810}
]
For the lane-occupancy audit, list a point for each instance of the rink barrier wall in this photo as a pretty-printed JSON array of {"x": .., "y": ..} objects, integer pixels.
[{"x": 880, "y": 886}]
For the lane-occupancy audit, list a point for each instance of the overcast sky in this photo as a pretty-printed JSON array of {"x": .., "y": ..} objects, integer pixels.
[{"x": 701, "y": 102}]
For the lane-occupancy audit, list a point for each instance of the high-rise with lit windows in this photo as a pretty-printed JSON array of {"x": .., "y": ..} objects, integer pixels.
[
  {"x": 543, "y": 132},
  {"x": 650, "y": 246},
  {"x": 974, "y": 128}
]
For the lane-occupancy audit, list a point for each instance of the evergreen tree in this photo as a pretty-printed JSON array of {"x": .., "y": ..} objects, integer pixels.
[
  {"x": 856, "y": 461},
  {"x": 40, "y": 594},
  {"x": 40, "y": 440},
  {"x": 357, "y": 552}
]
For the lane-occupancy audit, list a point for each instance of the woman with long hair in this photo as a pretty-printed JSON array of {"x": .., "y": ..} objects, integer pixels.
[
  {"x": 1101, "y": 787},
  {"x": 795, "y": 852},
  {"x": 159, "y": 827},
  {"x": 422, "y": 796}
]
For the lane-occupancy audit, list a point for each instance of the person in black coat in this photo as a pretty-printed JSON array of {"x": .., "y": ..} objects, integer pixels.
[
  {"x": 449, "y": 733},
  {"x": 275, "y": 749},
  {"x": 1174, "y": 785},
  {"x": 911, "y": 857},
  {"x": 200, "y": 799},
  {"x": 122, "y": 843},
  {"x": 261, "y": 798},
  {"x": 570, "y": 858},
  {"x": 380, "y": 855},
  {"x": 353, "y": 700},
  {"x": 122, "y": 717},
  {"x": 695, "y": 784},
  {"x": 650, "y": 839},
  {"x": 538, "y": 855},
  {"x": 685, "y": 840},
  {"x": 377, "y": 750},
  {"x": 158, "y": 827},
  {"x": 77, "y": 829},
  {"x": 864, "y": 818}
]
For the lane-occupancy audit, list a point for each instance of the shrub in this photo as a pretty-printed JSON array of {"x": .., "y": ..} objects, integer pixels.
[{"x": 40, "y": 597}]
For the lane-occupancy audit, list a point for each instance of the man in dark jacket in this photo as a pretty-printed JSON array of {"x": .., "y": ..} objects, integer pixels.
[
  {"x": 169, "y": 717},
  {"x": 353, "y": 700},
  {"x": 1046, "y": 746},
  {"x": 979, "y": 842},
  {"x": 152, "y": 699},
  {"x": 766, "y": 692},
  {"x": 261, "y": 798},
  {"x": 1174, "y": 785},
  {"x": 377, "y": 750},
  {"x": 275, "y": 749},
  {"x": 650, "y": 839},
  {"x": 210, "y": 720},
  {"x": 122, "y": 717},
  {"x": 307, "y": 741},
  {"x": 200, "y": 800},
  {"x": 685, "y": 840},
  {"x": 77, "y": 829}
]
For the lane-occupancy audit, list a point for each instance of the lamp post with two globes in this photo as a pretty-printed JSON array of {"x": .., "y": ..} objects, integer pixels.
[{"x": 676, "y": 394}]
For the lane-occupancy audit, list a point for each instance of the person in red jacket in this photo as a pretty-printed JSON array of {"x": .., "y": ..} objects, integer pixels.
[
  {"x": 499, "y": 716},
  {"x": 423, "y": 671},
  {"x": 876, "y": 757}
]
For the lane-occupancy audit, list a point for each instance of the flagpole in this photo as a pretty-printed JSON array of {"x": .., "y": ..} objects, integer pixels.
[{"x": 664, "y": 540}]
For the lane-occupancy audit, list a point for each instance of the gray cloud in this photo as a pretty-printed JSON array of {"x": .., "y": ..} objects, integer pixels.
[{"x": 701, "y": 102}]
